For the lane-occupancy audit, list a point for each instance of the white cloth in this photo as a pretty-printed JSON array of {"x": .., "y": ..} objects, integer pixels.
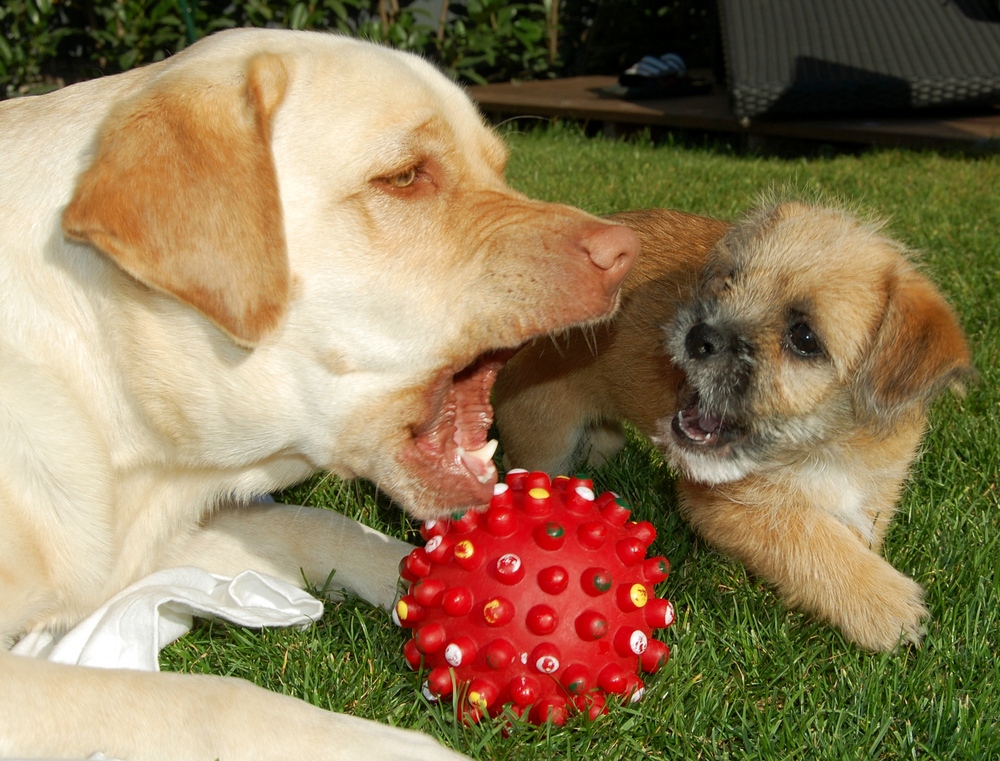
[{"x": 133, "y": 626}]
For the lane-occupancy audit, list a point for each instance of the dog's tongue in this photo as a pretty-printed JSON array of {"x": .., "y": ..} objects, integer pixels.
[
  {"x": 697, "y": 425},
  {"x": 708, "y": 423}
]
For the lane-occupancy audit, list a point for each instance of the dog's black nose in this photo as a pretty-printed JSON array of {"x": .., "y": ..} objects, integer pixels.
[{"x": 703, "y": 341}]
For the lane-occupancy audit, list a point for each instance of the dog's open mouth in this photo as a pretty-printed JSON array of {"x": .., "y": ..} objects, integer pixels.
[
  {"x": 693, "y": 427},
  {"x": 452, "y": 442}
]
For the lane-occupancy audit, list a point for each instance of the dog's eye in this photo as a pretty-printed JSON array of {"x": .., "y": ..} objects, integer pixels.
[
  {"x": 803, "y": 341},
  {"x": 403, "y": 179}
]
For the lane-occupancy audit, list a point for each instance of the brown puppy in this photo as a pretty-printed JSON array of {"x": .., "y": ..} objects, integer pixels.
[{"x": 784, "y": 366}]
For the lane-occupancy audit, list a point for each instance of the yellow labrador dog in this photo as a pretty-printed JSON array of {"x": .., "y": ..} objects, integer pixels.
[{"x": 274, "y": 253}]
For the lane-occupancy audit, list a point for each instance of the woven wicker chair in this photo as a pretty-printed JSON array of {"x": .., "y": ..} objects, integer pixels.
[{"x": 813, "y": 57}]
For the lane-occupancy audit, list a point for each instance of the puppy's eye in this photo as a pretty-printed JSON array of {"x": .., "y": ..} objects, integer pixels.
[
  {"x": 803, "y": 341},
  {"x": 403, "y": 179}
]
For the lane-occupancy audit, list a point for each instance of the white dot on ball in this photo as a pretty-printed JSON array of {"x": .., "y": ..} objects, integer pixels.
[
  {"x": 637, "y": 695},
  {"x": 547, "y": 664},
  {"x": 433, "y": 543},
  {"x": 426, "y": 690},
  {"x": 638, "y": 642},
  {"x": 509, "y": 562},
  {"x": 499, "y": 488},
  {"x": 585, "y": 492},
  {"x": 453, "y": 654}
]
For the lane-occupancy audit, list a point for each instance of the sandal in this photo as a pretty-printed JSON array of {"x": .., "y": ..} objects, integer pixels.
[{"x": 656, "y": 77}]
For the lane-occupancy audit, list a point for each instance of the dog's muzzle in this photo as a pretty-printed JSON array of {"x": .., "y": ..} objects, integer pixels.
[
  {"x": 718, "y": 364},
  {"x": 720, "y": 360}
]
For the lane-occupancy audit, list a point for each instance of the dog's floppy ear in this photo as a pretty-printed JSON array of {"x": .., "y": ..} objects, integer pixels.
[
  {"x": 182, "y": 194},
  {"x": 918, "y": 351}
]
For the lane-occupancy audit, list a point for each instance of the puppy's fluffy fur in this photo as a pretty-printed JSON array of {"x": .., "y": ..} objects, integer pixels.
[{"x": 784, "y": 366}]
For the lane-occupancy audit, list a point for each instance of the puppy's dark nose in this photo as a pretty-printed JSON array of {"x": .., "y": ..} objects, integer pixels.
[{"x": 703, "y": 342}]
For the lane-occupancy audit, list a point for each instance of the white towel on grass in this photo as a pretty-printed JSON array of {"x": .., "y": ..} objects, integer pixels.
[{"x": 133, "y": 626}]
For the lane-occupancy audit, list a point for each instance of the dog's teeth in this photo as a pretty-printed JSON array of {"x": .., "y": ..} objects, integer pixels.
[
  {"x": 486, "y": 477},
  {"x": 483, "y": 454},
  {"x": 480, "y": 461}
]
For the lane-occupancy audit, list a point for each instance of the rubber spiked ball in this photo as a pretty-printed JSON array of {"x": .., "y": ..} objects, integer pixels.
[{"x": 544, "y": 603}]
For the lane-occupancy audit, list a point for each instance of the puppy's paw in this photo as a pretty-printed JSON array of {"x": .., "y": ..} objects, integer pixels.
[{"x": 889, "y": 610}]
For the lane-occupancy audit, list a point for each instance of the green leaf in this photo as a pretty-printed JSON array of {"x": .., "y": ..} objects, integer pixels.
[
  {"x": 299, "y": 16},
  {"x": 127, "y": 61}
]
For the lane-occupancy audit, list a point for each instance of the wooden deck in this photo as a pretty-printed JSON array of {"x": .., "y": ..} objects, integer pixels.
[{"x": 578, "y": 98}]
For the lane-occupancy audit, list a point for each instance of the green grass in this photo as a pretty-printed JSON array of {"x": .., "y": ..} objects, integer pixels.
[{"x": 748, "y": 679}]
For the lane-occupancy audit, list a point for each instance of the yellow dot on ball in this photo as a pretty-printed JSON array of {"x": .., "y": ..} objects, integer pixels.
[
  {"x": 638, "y": 595},
  {"x": 464, "y": 549},
  {"x": 539, "y": 493},
  {"x": 491, "y": 611}
]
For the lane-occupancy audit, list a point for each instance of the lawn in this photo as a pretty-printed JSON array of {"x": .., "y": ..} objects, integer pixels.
[{"x": 747, "y": 679}]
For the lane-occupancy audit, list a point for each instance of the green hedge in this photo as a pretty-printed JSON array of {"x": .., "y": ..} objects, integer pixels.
[{"x": 45, "y": 43}]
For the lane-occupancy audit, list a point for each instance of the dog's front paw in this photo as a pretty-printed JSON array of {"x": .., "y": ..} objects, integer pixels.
[{"x": 889, "y": 611}]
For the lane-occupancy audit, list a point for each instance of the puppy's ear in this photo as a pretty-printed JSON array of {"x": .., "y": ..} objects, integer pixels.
[
  {"x": 918, "y": 351},
  {"x": 182, "y": 194}
]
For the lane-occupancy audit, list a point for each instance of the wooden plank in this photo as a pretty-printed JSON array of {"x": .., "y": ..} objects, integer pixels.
[
  {"x": 580, "y": 98},
  {"x": 914, "y": 131}
]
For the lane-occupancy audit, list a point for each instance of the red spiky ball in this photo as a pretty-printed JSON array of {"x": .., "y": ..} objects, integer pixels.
[{"x": 544, "y": 602}]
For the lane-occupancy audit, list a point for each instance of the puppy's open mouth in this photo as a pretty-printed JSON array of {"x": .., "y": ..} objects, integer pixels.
[
  {"x": 696, "y": 428},
  {"x": 452, "y": 443}
]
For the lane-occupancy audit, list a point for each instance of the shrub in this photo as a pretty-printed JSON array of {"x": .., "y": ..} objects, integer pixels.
[
  {"x": 44, "y": 43},
  {"x": 30, "y": 34}
]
